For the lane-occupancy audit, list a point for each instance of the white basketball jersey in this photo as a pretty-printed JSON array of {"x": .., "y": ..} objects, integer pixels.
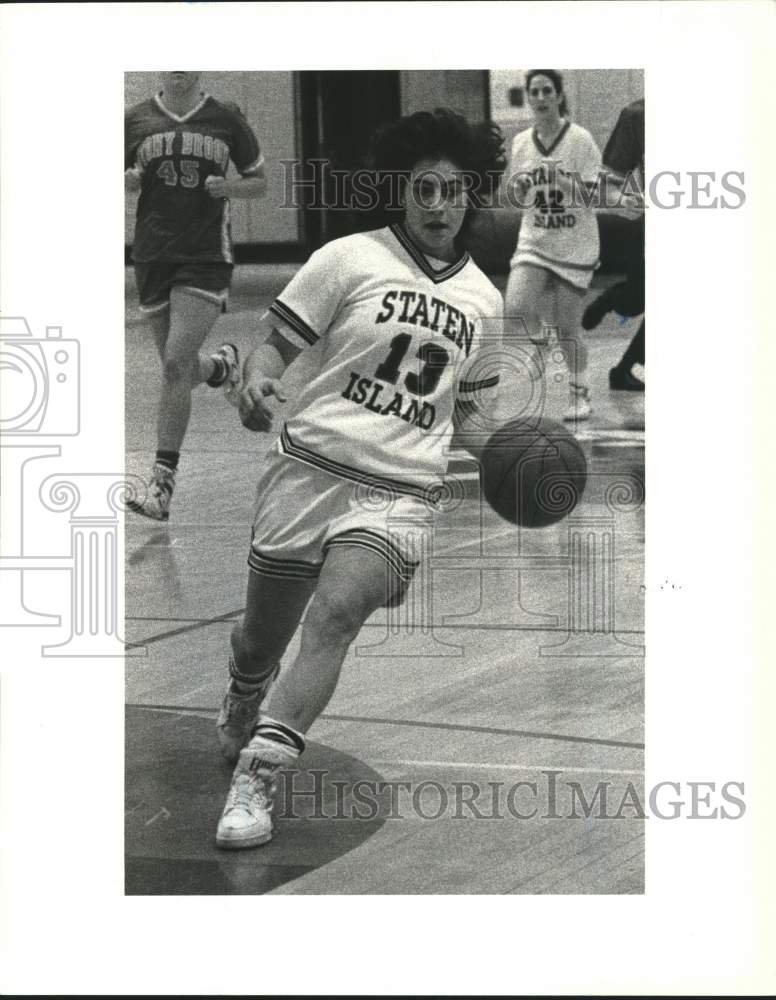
[
  {"x": 398, "y": 339},
  {"x": 553, "y": 230}
]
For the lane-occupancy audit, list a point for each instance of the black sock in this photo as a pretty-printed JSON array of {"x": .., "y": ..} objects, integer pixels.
[
  {"x": 270, "y": 729},
  {"x": 634, "y": 352},
  {"x": 169, "y": 459},
  {"x": 220, "y": 371},
  {"x": 245, "y": 683}
]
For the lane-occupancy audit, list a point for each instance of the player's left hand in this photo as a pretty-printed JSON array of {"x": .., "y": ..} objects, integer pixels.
[
  {"x": 254, "y": 412},
  {"x": 217, "y": 187}
]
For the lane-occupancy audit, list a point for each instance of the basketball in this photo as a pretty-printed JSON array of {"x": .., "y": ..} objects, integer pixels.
[{"x": 533, "y": 472}]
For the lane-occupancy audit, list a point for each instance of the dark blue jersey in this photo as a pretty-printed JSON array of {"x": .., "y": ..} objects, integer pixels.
[
  {"x": 624, "y": 154},
  {"x": 624, "y": 151},
  {"x": 177, "y": 220}
]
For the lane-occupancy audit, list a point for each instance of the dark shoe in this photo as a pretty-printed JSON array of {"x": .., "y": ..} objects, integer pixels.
[
  {"x": 596, "y": 311},
  {"x": 622, "y": 379}
]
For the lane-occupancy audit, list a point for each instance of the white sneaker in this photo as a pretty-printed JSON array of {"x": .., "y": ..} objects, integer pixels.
[
  {"x": 238, "y": 716},
  {"x": 579, "y": 404},
  {"x": 247, "y": 817},
  {"x": 232, "y": 384},
  {"x": 156, "y": 502}
]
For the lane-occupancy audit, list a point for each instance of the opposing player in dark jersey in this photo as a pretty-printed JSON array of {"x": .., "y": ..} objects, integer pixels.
[
  {"x": 397, "y": 318},
  {"x": 178, "y": 147},
  {"x": 624, "y": 158}
]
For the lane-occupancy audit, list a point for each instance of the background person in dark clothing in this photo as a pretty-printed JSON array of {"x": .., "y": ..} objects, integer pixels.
[{"x": 624, "y": 157}]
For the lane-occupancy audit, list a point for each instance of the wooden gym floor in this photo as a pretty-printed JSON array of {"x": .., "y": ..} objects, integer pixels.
[{"x": 466, "y": 737}]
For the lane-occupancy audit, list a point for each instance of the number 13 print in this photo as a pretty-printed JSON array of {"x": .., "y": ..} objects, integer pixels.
[{"x": 435, "y": 360}]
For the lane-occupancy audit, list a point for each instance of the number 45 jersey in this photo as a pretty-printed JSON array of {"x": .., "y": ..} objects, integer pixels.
[
  {"x": 177, "y": 220},
  {"x": 399, "y": 338}
]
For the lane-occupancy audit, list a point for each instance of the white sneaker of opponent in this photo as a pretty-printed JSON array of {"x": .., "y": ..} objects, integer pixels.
[
  {"x": 156, "y": 503},
  {"x": 247, "y": 817}
]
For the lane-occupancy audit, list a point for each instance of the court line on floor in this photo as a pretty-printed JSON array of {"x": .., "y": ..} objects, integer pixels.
[
  {"x": 478, "y": 765},
  {"x": 491, "y": 730},
  {"x": 185, "y": 628},
  {"x": 450, "y": 726},
  {"x": 166, "y": 618},
  {"x": 195, "y": 624}
]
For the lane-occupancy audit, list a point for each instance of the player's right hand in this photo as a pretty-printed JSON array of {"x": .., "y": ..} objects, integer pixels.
[
  {"x": 631, "y": 206},
  {"x": 132, "y": 179},
  {"x": 521, "y": 185},
  {"x": 252, "y": 406}
]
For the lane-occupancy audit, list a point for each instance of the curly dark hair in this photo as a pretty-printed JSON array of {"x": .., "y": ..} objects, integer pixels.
[{"x": 478, "y": 149}]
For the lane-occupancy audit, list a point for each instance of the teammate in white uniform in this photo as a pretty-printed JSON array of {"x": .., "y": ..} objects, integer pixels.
[
  {"x": 554, "y": 167},
  {"x": 397, "y": 317}
]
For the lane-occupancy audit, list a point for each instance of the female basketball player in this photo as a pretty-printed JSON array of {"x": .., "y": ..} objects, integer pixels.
[
  {"x": 395, "y": 316},
  {"x": 552, "y": 167},
  {"x": 178, "y": 146}
]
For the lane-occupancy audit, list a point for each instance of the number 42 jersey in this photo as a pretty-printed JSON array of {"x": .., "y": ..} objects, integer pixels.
[
  {"x": 399, "y": 339},
  {"x": 555, "y": 233}
]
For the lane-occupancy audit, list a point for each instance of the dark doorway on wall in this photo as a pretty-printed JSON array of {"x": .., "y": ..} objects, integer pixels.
[{"x": 339, "y": 111}]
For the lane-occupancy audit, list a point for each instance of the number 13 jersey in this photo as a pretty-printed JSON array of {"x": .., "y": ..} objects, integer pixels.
[{"x": 399, "y": 340}]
